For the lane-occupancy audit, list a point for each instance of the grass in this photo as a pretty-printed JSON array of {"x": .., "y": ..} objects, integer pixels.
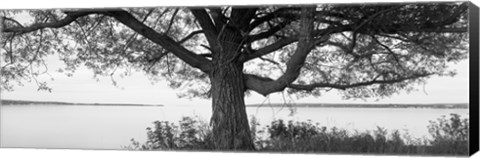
[{"x": 449, "y": 137}]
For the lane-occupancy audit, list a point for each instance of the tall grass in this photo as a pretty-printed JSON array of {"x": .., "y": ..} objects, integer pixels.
[{"x": 449, "y": 136}]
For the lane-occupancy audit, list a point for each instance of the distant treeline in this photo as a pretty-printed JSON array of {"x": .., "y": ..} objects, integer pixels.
[
  {"x": 313, "y": 105},
  {"x": 26, "y": 102}
]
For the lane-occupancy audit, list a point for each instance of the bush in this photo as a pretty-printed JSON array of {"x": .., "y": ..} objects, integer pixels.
[
  {"x": 306, "y": 137},
  {"x": 192, "y": 134},
  {"x": 450, "y": 137},
  {"x": 297, "y": 130}
]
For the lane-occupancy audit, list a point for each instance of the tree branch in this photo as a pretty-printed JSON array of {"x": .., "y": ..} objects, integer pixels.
[
  {"x": 208, "y": 27},
  {"x": 269, "y": 32},
  {"x": 241, "y": 17},
  {"x": 390, "y": 51},
  {"x": 297, "y": 60},
  {"x": 437, "y": 30},
  {"x": 282, "y": 12},
  {"x": 274, "y": 63},
  {"x": 71, "y": 16},
  {"x": 218, "y": 17},
  {"x": 12, "y": 20},
  {"x": 183, "y": 40},
  {"x": 256, "y": 83},
  {"x": 171, "y": 20},
  {"x": 313, "y": 86},
  {"x": 186, "y": 38},
  {"x": 166, "y": 42},
  {"x": 289, "y": 40},
  {"x": 270, "y": 48}
]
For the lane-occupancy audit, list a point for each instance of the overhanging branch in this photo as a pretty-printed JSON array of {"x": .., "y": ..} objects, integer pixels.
[
  {"x": 313, "y": 86},
  {"x": 258, "y": 84},
  {"x": 166, "y": 42},
  {"x": 294, "y": 64},
  {"x": 71, "y": 17}
]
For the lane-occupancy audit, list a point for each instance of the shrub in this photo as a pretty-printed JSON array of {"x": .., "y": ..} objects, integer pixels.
[
  {"x": 192, "y": 134},
  {"x": 297, "y": 130},
  {"x": 306, "y": 137},
  {"x": 450, "y": 136}
]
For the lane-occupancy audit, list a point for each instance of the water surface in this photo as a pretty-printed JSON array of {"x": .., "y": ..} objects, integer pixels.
[{"x": 111, "y": 127}]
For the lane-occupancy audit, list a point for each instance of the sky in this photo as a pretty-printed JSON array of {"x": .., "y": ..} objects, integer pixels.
[{"x": 137, "y": 88}]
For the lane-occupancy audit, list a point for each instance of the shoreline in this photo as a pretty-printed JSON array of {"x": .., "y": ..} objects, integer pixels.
[
  {"x": 334, "y": 105},
  {"x": 7, "y": 102}
]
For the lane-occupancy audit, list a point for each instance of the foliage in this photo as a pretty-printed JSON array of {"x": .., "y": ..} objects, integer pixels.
[
  {"x": 450, "y": 134},
  {"x": 297, "y": 130},
  {"x": 365, "y": 50},
  {"x": 192, "y": 134},
  {"x": 306, "y": 137},
  {"x": 450, "y": 137},
  {"x": 362, "y": 50}
]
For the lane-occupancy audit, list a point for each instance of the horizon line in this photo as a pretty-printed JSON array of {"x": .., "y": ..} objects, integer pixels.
[{"x": 68, "y": 102}]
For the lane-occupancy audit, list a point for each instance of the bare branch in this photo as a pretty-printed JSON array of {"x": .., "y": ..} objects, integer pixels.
[
  {"x": 186, "y": 38},
  {"x": 147, "y": 15},
  {"x": 390, "y": 51},
  {"x": 171, "y": 20},
  {"x": 12, "y": 20}
]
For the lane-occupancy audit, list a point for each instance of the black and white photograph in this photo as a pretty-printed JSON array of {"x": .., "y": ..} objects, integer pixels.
[{"x": 317, "y": 78}]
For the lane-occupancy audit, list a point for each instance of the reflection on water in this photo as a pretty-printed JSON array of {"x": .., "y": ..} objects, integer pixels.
[{"x": 110, "y": 127}]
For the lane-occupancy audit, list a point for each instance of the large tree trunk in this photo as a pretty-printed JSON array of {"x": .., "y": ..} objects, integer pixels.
[{"x": 229, "y": 120}]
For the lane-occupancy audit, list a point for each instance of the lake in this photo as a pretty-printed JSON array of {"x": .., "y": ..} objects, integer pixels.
[{"x": 111, "y": 127}]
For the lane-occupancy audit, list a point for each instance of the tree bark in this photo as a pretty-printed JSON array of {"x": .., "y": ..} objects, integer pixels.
[{"x": 229, "y": 120}]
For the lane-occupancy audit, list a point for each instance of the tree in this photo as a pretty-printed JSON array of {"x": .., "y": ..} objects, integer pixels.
[{"x": 362, "y": 50}]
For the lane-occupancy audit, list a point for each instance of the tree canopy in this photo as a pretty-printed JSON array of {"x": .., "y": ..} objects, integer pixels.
[
  {"x": 366, "y": 50},
  {"x": 222, "y": 52}
]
